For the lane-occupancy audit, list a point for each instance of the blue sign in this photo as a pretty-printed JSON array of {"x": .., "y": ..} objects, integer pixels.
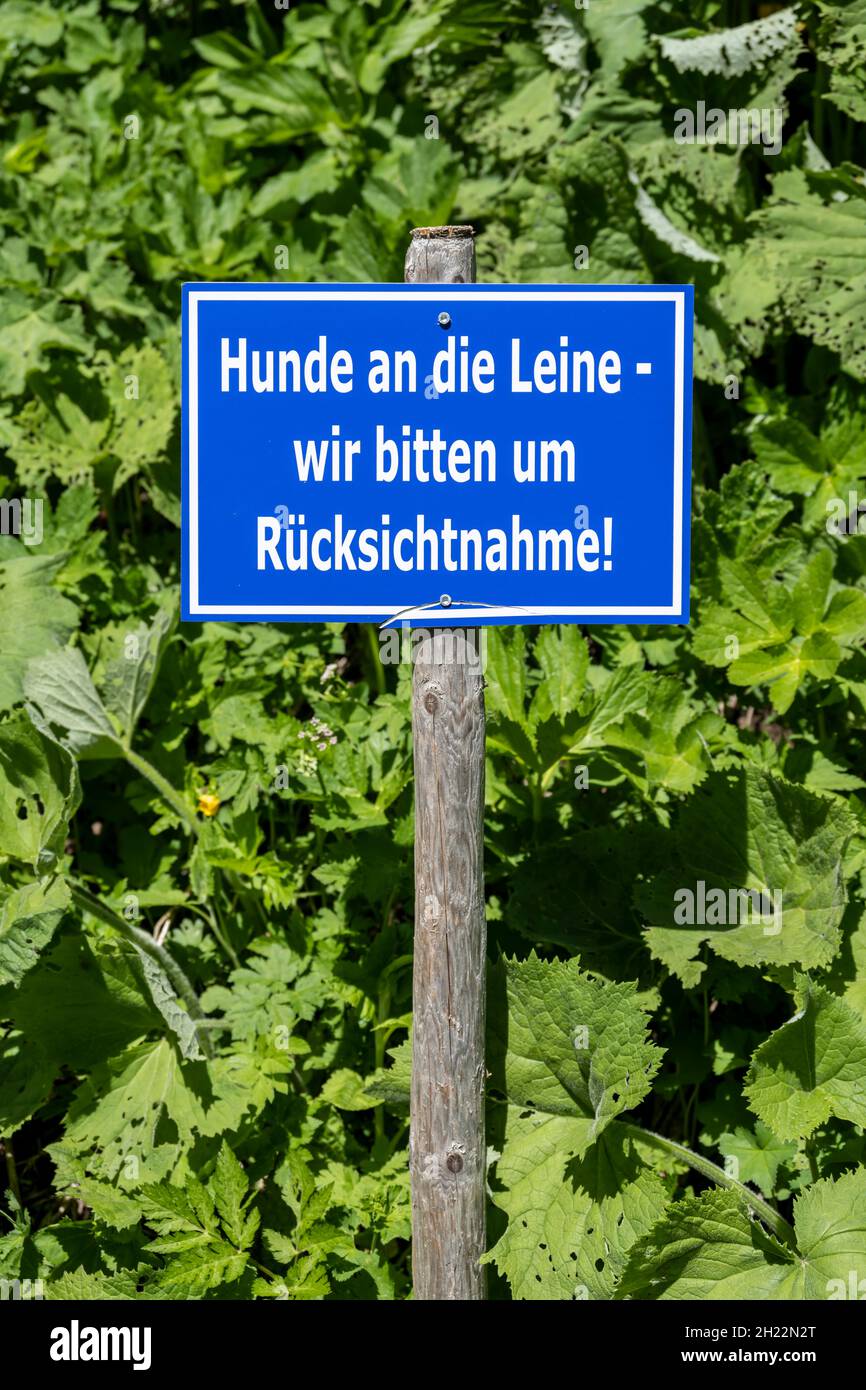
[{"x": 455, "y": 454}]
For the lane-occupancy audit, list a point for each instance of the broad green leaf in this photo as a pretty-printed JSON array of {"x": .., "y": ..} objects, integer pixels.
[
  {"x": 62, "y": 691},
  {"x": 811, "y": 1068},
  {"x": 39, "y": 794},
  {"x": 346, "y": 1090},
  {"x": 569, "y": 1045},
  {"x": 571, "y": 1222},
  {"x": 568, "y": 1054},
  {"x": 750, "y": 832},
  {"x": 29, "y": 917},
  {"x": 129, "y": 678},
  {"x": 34, "y": 618},
  {"x": 26, "y": 1078},
  {"x": 709, "y": 1248},
  {"x": 79, "y": 1286},
  {"x": 585, "y": 882},
  {"x": 100, "y": 1009}
]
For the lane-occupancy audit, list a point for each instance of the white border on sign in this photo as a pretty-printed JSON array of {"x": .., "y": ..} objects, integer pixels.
[{"x": 322, "y": 610}]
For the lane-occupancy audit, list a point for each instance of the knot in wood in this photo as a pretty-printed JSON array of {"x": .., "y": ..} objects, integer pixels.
[
  {"x": 454, "y": 1163},
  {"x": 431, "y": 910},
  {"x": 431, "y": 702}
]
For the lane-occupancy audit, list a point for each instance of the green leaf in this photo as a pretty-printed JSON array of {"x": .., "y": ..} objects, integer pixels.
[
  {"x": 27, "y": 333},
  {"x": 709, "y": 1248},
  {"x": 100, "y": 1008},
  {"x": 569, "y": 1045},
  {"x": 505, "y": 673},
  {"x": 811, "y": 1068},
  {"x": 570, "y": 1222},
  {"x": 755, "y": 833},
  {"x": 346, "y": 1090},
  {"x": 62, "y": 691},
  {"x": 756, "y": 1155},
  {"x": 229, "y": 1188},
  {"x": 26, "y": 1077},
  {"x": 568, "y": 1053},
  {"x": 39, "y": 794},
  {"x": 563, "y": 656},
  {"x": 34, "y": 618},
  {"x": 29, "y": 917}
]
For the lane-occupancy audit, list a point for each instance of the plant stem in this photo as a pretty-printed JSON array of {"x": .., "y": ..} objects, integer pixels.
[
  {"x": 164, "y": 787},
  {"x": 777, "y": 1224},
  {"x": 145, "y": 943},
  {"x": 12, "y": 1171}
]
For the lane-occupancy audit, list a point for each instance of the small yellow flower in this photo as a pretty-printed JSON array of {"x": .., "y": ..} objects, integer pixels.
[{"x": 208, "y": 803}]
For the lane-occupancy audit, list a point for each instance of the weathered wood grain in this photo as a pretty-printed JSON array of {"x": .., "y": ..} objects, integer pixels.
[{"x": 447, "y": 1141}]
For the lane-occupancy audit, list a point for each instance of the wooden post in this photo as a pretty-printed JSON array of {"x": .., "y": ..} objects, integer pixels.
[{"x": 447, "y": 1144}]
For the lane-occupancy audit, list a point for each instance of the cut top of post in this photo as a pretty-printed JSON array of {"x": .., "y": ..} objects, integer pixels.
[
  {"x": 443, "y": 231},
  {"x": 441, "y": 255}
]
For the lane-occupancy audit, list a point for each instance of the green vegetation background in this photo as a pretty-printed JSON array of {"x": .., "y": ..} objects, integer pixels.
[{"x": 205, "y": 832}]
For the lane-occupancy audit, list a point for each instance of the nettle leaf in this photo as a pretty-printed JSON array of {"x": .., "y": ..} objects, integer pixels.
[
  {"x": 804, "y": 259},
  {"x": 26, "y": 1079},
  {"x": 568, "y": 1054},
  {"x": 63, "y": 696},
  {"x": 29, "y": 917},
  {"x": 34, "y": 618},
  {"x": 811, "y": 1068},
  {"x": 128, "y": 679},
  {"x": 841, "y": 41},
  {"x": 750, "y": 831},
  {"x": 731, "y": 52},
  {"x": 708, "y": 1247},
  {"x": 39, "y": 794},
  {"x": 571, "y": 1221}
]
